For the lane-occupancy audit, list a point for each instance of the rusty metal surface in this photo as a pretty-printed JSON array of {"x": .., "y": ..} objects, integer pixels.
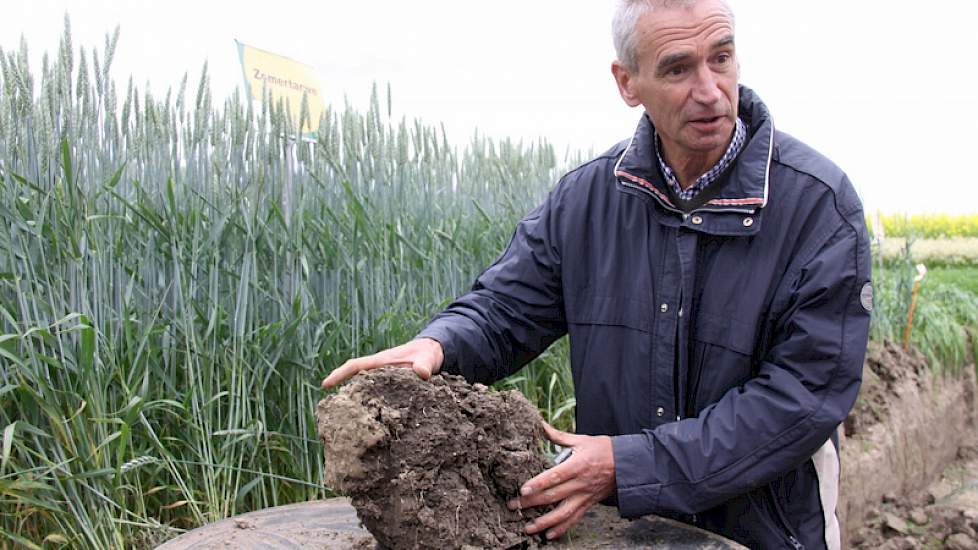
[{"x": 332, "y": 524}]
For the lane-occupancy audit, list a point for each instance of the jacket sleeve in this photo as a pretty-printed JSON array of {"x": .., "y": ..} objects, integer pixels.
[
  {"x": 804, "y": 387},
  {"x": 514, "y": 310}
]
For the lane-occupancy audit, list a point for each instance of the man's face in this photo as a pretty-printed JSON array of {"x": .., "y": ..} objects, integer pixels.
[{"x": 686, "y": 78}]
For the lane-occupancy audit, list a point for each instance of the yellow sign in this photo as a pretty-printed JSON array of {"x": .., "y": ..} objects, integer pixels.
[{"x": 285, "y": 79}]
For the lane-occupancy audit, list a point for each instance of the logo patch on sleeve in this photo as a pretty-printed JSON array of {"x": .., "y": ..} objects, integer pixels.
[{"x": 866, "y": 296}]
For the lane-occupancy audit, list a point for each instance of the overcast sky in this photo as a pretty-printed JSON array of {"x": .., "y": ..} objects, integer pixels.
[{"x": 886, "y": 88}]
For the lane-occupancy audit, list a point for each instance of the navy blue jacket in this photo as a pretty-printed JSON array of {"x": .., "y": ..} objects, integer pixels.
[{"x": 721, "y": 348}]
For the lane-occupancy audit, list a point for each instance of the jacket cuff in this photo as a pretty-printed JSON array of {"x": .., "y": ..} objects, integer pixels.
[
  {"x": 443, "y": 336},
  {"x": 637, "y": 494}
]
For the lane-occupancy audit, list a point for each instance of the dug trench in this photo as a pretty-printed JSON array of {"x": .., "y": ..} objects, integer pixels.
[{"x": 909, "y": 474}]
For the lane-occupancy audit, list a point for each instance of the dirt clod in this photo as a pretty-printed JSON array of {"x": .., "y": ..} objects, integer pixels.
[
  {"x": 960, "y": 541},
  {"x": 431, "y": 464},
  {"x": 918, "y": 516},
  {"x": 894, "y": 524}
]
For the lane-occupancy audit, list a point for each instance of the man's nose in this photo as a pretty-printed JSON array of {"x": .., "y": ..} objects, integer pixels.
[{"x": 705, "y": 87}]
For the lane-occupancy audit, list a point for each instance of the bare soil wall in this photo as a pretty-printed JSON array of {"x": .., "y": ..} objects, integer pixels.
[{"x": 923, "y": 420}]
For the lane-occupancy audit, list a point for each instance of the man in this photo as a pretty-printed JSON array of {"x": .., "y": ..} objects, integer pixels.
[{"x": 713, "y": 276}]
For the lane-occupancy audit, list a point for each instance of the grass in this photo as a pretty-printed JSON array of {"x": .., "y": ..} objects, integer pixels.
[
  {"x": 962, "y": 298},
  {"x": 945, "y": 321},
  {"x": 177, "y": 275},
  {"x": 964, "y": 277}
]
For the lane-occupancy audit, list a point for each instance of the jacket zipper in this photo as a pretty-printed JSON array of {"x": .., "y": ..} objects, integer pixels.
[
  {"x": 677, "y": 385},
  {"x": 694, "y": 388},
  {"x": 795, "y": 543}
]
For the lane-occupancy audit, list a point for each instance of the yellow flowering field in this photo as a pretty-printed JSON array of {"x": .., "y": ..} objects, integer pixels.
[{"x": 925, "y": 226}]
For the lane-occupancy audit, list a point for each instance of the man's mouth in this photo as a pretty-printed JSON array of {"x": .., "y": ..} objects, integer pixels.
[{"x": 707, "y": 123}]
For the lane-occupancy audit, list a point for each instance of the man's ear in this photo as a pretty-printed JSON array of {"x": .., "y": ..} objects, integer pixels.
[{"x": 625, "y": 82}]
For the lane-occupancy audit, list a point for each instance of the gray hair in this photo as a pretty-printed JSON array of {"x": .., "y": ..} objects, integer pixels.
[{"x": 626, "y": 17}]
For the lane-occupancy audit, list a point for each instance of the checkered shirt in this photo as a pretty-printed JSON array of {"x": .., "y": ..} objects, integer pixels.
[{"x": 736, "y": 144}]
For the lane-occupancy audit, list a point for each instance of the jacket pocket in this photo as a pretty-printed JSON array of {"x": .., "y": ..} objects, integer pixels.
[
  {"x": 720, "y": 359},
  {"x": 728, "y": 332},
  {"x": 589, "y": 309}
]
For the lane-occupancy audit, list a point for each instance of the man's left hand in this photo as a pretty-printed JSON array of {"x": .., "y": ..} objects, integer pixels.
[{"x": 587, "y": 477}]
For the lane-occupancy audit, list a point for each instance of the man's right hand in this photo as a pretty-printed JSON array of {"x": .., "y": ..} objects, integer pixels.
[{"x": 423, "y": 355}]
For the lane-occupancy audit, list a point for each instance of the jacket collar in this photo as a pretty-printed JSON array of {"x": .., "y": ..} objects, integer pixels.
[{"x": 745, "y": 188}]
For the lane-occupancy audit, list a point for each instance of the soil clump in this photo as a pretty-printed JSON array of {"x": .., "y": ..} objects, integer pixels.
[{"x": 431, "y": 464}]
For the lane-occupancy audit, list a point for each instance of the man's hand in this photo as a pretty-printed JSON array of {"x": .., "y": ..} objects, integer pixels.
[
  {"x": 424, "y": 355},
  {"x": 587, "y": 477}
]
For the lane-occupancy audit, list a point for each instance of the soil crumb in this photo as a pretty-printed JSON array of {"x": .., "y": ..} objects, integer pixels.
[{"x": 431, "y": 464}]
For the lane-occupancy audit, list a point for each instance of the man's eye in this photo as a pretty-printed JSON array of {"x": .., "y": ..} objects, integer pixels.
[
  {"x": 677, "y": 70},
  {"x": 723, "y": 58}
]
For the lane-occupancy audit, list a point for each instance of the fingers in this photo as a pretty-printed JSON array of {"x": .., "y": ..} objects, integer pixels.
[
  {"x": 559, "y": 529},
  {"x": 549, "y": 479},
  {"x": 351, "y": 367},
  {"x": 557, "y": 521},
  {"x": 563, "y": 439},
  {"x": 548, "y": 496},
  {"x": 422, "y": 370},
  {"x": 424, "y": 356},
  {"x": 588, "y": 476}
]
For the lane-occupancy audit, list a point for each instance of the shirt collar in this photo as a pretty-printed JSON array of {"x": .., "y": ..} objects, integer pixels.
[{"x": 711, "y": 175}]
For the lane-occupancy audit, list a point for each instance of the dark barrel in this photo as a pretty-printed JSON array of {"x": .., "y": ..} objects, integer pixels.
[{"x": 332, "y": 523}]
